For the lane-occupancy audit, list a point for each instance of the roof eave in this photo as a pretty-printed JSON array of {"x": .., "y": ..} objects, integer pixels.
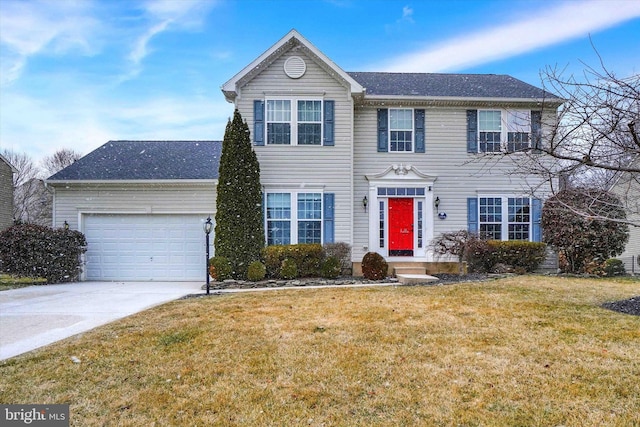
[
  {"x": 461, "y": 100},
  {"x": 129, "y": 181}
]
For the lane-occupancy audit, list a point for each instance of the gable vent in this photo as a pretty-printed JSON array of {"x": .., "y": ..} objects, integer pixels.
[{"x": 295, "y": 67}]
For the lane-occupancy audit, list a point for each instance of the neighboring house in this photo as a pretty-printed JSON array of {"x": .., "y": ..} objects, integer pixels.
[
  {"x": 6, "y": 192},
  {"x": 382, "y": 161},
  {"x": 627, "y": 188}
]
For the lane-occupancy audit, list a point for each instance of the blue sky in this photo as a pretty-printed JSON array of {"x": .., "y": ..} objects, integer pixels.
[{"x": 75, "y": 74}]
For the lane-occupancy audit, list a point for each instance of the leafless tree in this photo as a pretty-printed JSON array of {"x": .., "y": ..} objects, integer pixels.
[
  {"x": 59, "y": 160},
  {"x": 593, "y": 140},
  {"x": 32, "y": 200}
]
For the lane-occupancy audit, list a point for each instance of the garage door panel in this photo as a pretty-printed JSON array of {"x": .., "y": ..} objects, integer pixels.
[{"x": 144, "y": 247}]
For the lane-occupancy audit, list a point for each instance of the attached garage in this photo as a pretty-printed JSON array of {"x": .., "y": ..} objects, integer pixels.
[
  {"x": 144, "y": 247},
  {"x": 141, "y": 206}
]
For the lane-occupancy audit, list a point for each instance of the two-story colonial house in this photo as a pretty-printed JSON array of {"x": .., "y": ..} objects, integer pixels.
[
  {"x": 382, "y": 161},
  {"x": 387, "y": 161}
]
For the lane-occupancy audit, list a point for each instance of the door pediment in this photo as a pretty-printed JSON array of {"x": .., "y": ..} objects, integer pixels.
[{"x": 402, "y": 172}]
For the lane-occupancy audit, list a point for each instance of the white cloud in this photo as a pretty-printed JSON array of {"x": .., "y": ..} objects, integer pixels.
[
  {"x": 39, "y": 27},
  {"x": 161, "y": 16},
  {"x": 550, "y": 26}
]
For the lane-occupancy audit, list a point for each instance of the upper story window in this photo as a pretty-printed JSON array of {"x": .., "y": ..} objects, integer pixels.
[
  {"x": 293, "y": 122},
  {"x": 489, "y": 131},
  {"x": 400, "y": 129},
  {"x": 495, "y": 131},
  {"x": 309, "y": 122},
  {"x": 278, "y": 121}
]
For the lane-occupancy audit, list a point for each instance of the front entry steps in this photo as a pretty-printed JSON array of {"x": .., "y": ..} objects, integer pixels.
[{"x": 413, "y": 274}]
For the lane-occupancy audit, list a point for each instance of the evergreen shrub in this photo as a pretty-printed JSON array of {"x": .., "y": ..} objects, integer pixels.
[
  {"x": 341, "y": 251},
  {"x": 330, "y": 268},
  {"x": 614, "y": 267},
  {"x": 308, "y": 258},
  {"x": 520, "y": 255},
  {"x": 374, "y": 266},
  {"x": 220, "y": 268},
  {"x": 289, "y": 269},
  {"x": 239, "y": 233},
  {"x": 256, "y": 271},
  {"x": 32, "y": 250}
]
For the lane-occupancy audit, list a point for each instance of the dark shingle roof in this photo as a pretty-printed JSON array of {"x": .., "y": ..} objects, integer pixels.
[
  {"x": 447, "y": 85},
  {"x": 146, "y": 160}
]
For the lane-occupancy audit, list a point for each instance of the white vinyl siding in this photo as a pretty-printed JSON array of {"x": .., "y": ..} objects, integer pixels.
[
  {"x": 312, "y": 166},
  {"x": 72, "y": 200},
  {"x": 459, "y": 174}
]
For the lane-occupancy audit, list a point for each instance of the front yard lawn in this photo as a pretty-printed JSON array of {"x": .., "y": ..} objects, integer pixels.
[{"x": 521, "y": 351}]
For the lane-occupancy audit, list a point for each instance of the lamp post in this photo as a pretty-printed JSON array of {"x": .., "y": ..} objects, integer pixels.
[{"x": 207, "y": 230}]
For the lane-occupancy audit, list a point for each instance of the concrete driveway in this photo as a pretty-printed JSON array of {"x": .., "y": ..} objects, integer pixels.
[{"x": 36, "y": 316}]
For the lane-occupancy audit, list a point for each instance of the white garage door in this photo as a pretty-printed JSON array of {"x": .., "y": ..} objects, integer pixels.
[{"x": 145, "y": 247}]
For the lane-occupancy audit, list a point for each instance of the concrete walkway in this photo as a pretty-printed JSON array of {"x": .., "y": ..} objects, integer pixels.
[{"x": 36, "y": 316}]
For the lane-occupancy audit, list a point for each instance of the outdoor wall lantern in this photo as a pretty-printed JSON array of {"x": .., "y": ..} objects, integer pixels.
[
  {"x": 207, "y": 230},
  {"x": 66, "y": 225},
  {"x": 365, "y": 202},
  {"x": 437, "y": 203}
]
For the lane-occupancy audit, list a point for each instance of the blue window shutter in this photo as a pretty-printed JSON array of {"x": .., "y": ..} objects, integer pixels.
[
  {"x": 536, "y": 216},
  {"x": 536, "y": 131},
  {"x": 328, "y": 208},
  {"x": 383, "y": 127},
  {"x": 472, "y": 131},
  {"x": 328, "y": 123},
  {"x": 472, "y": 215},
  {"x": 258, "y": 122},
  {"x": 419, "y": 130}
]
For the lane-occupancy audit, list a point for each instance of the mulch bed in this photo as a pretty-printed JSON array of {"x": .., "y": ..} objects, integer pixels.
[{"x": 627, "y": 306}]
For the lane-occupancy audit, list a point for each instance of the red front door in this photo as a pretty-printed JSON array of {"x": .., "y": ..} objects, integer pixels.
[{"x": 400, "y": 227}]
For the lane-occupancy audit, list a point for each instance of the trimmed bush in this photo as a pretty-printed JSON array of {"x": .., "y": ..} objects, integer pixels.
[
  {"x": 374, "y": 266},
  {"x": 256, "y": 271},
  {"x": 478, "y": 254},
  {"x": 614, "y": 267},
  {"x": 521, "y": 256},
  {"x": 289, "y": 269},
  {"x": 496, "y": 256},
  {"x": 308, "y": 258},
  {"x": 331, "y": 268},
  {"x": 341, "y": 251},
  {"x": 32, "y": 250},
  {"x": 220, "y": 268}
]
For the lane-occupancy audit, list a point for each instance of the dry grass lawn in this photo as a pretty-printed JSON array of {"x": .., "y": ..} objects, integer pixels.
[{"x": 523, "y": 351}]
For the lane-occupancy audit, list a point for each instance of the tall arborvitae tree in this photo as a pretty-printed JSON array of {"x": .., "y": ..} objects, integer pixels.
[{"x": 239, "y": 233}]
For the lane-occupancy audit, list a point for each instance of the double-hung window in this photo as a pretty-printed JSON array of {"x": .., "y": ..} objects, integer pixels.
[
  {"x": 301, "y": 126},
  {"x": 294, "y": 217},
  {"x": 401, "y": 129},
  {"x": 309, "y": 122},
  {"x": 490, "y": 131},
  {"x": 503, "y": 130},
  {"x": 505, "y": 218},
  {"x": 279, "y": 121}
]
